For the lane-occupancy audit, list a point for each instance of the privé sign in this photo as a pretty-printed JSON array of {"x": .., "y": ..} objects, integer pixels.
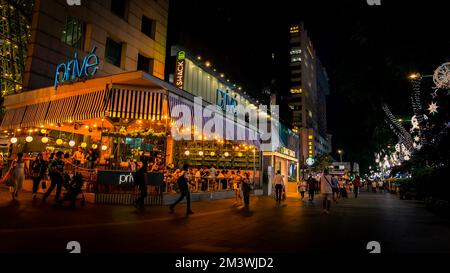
[
  {"x": 179, "y": 69},
  {"x": 73, "y": 70}
]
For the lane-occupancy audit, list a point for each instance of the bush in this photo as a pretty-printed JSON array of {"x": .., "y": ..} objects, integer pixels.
[{"x": 426, "y": 183}]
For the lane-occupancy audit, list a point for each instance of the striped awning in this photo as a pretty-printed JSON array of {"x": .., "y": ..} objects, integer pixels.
[
  {"x": 136, "y": 104},
  {"x": 76, "y": 108},
  {"x": 91, "y": 105},
  {"x": 61, "y": 110},
  {"x": 35, "y": 114},
  {"x": 13, "y": 118}
]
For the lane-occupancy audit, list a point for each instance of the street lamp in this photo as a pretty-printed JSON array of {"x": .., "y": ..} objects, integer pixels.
[{"x": 340, "y": 152}]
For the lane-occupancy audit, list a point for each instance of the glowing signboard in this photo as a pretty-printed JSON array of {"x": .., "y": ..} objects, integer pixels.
[
  {"x": 179, "y": 69},
  {"x": 72, "y": 71}
]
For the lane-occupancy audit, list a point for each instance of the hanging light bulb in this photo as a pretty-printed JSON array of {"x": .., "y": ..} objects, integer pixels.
[
  {"x": 212, "y": 154},
  {"x": 83, "y": 145},
  {"x": 186, "y": 153},
  {"x": 13, "y": 140},
  {"x": 94, "y": 146},
  {"x": 59, "y": 141},
  {"x": 43, "y": 131},
  {"x": 29, "y": 139},
  {"x": 200, "y": 153},
  {"x": 104, "y": 147},
  {"x": 44, "y": 139},
  {"x": 71, "y": 143},
  {"x": 226, "y": 154}
]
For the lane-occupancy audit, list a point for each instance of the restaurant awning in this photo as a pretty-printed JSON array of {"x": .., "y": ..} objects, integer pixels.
[
  {"x": 81, "y": 107},
  {"x": 13, "y": 118},
  {"x": 34, "y": 114},
  {"x": 131, "y": 103}
]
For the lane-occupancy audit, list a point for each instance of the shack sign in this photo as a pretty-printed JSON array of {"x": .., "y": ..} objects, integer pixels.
[{"x": 179, "y": 69}]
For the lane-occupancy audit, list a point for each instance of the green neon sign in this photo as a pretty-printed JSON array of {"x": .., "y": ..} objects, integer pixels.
[{"x": 181, "y": 55}]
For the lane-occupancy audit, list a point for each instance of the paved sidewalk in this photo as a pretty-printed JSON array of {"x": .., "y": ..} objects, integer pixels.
[{"x": 220, "y": 226}]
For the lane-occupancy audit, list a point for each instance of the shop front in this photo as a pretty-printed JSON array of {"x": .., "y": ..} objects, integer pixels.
[{"x": 115, "y": 122}]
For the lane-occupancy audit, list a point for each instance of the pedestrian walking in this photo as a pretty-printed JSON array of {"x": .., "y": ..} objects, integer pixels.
[
  {"x": 327, "y": 190},
  {"x": 335, "y": 188},
  {"x": 356, "y": 184},
  {"x": 38, "y": 170},
  {"x": 279, "y": 185},
  {"x": 380, "y": 186},
  {"x": 302, "y": 188},
  {"x": 56, "y": 171},
  {"x": 183, "y": 181},
  {"x": 311, "y": 184},
  {"x": 374, "y": 186},
  {"x": 237, "y": 180},
  {"x": 246, "y": 188},
  {"x": 18, "y": 169},
  {"x": 2, "y": 162},
  {"x": 140, "y": 180}
]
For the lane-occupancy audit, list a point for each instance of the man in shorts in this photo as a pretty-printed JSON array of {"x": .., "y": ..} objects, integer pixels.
[{"x": 327, "y": 190}]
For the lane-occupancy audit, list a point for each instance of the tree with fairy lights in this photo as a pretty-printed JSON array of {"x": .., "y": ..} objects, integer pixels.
[{"x": 426, "y": 144}]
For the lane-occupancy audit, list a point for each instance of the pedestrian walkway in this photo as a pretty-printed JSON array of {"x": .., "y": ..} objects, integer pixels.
[{"x": 219, "y": 226}]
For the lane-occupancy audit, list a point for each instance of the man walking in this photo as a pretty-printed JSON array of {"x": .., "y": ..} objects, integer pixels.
[
  {"x": 327, "y": 191},
  {"x": 311, "y": 184},
  {"x": 140, "y": 179},
  {"x": 335, "y": 188},
  {"x": 183, "y": 181},
  {"x": 56, "y": 171},
  {"x": 356, "y": 184}
]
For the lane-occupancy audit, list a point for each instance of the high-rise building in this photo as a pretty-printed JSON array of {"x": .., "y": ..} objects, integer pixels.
[
  {"x": 15, "y": 21},
  {"x": 308, "y": 89},
  {"x": 127, "y": 35}
]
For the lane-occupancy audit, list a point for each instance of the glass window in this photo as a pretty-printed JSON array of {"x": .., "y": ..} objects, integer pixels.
[
  {"x": 145, "y": 64},
  {"x": 148, "y": 27},
  {"x": 118, "y": 7},
  {"x": 73, "y": 33},
  {"x": 113, "y": 53}
]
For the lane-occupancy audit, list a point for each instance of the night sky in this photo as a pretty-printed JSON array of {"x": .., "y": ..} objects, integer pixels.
[{"x": 368, "y": 51}]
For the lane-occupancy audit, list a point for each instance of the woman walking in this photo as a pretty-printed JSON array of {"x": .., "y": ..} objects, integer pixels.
[
  {"x": 279, "y": 185},
  {"x": 237, "y": 179},
  {"x": 18, "y": 169},
  {"x": 38, "y": 170},
  {"x": 302, "y": 188},
  {"x": 246, "y": 190}
]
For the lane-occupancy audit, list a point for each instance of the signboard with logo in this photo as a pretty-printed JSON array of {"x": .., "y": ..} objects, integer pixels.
[
  {"x": 225, "y": 101},
  {"x": 124, "y": 178},
  {"x": 287, "y": 151},
  {"x": 73, "y": 70},
  {"x": 310, "y": 161},
  {"x": 179, "y": 69}
]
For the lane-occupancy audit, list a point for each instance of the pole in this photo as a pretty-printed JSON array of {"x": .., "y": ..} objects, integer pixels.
[
  {"x": 340, "y": 155},
  {"x": 254, "y": 164}
]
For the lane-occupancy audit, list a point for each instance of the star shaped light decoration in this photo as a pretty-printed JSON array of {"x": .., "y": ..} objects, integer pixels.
[
  {"x": 434, "y": 94},
  {"x": 433, "y": 108}
]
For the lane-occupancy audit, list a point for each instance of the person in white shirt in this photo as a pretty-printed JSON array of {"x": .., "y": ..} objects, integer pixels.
[
  {"x": 327, "y": 190},
  {"x": 78, "y": 156},
  {"x": 278, "y": 184}
]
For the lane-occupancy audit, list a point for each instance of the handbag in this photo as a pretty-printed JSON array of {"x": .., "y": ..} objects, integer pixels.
[{"x": 10, "y": 181}]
